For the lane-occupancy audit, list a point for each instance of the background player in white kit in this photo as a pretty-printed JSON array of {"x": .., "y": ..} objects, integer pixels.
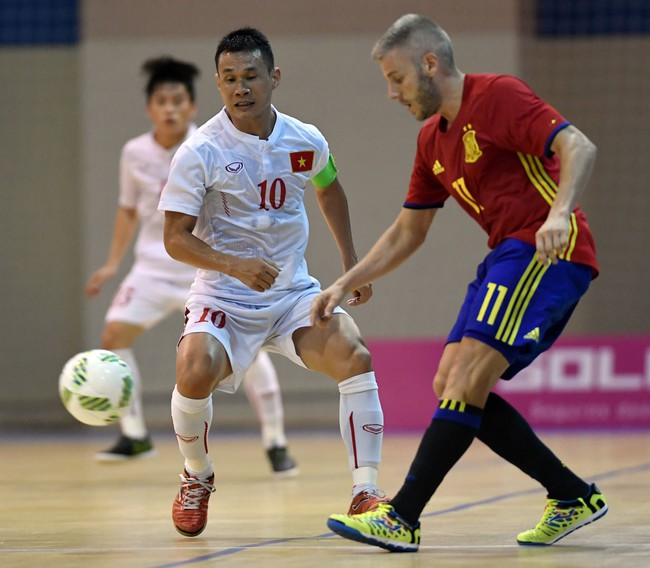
[
  {"x": 158, "y": 285},
  {"x": 234, "y": 208}
]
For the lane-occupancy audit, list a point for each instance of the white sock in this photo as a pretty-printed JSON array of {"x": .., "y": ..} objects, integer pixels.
[
  {"x": 263, "y": 391},
  {"x": 132, "y": 423},
  {"x": 362, "y": 425},
  {"x": 192, "y": 419}
]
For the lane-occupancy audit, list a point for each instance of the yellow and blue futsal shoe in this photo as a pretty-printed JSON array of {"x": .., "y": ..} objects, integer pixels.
[
  {"x": 563, "y": 517},
  {"x": 381, "y": 527}
]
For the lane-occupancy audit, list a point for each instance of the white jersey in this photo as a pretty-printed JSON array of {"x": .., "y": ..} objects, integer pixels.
[
  {"x": 247, "y": 194},
  {"x": 144, "y": 167}
]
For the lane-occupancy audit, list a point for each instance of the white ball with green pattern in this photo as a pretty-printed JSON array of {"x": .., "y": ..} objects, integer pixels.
[{"x": 96, "y": 387}]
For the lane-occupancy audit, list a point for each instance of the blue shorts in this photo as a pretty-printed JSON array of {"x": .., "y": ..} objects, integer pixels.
[{"x": 519, "y": 306}]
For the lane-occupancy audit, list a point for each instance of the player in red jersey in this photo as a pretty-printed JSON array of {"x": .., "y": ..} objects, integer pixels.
[{"x": 517, "y": 167}]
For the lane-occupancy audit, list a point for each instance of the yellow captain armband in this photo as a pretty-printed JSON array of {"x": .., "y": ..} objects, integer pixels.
[{"x": 327, "y": 175}]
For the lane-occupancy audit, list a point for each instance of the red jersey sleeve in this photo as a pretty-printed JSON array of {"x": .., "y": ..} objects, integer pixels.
[
  {"x": 521, "y": 121},
  {"x": 425, "y": 191}
]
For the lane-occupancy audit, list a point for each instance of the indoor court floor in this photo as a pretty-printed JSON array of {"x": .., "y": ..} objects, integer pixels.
[{"x": 62, "y": 509}]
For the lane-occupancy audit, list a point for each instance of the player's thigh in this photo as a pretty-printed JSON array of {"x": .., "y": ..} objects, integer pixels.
[
  {"x": 120, "y": 334},
  {"x": 337, "y": 350},
  {"x": 201, "y": 364}
]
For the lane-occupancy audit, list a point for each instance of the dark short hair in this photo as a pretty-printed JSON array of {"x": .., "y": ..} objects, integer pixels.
[
  {"x": 246, "y": 39},
  {"x": 169, "y": 70}
]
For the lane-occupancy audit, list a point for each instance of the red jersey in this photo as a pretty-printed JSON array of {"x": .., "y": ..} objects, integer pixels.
[{"x": 495, "y": 160}]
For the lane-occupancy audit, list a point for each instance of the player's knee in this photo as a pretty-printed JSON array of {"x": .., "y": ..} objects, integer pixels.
[
  {"x": 439, "y": 382},
  {"x": 120, "y": 335},
  {"x": 112, "y": 339},
  {"x": 351, "y": 360},
  {"x": 198, "y": 376},
  {"x": 360, "y": 360},
  {"x": 457, "y": 379},
  {"x": 465, "y": 384}
]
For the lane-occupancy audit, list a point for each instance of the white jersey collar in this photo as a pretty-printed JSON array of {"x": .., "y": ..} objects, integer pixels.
[{"x": 227, "y": 124}]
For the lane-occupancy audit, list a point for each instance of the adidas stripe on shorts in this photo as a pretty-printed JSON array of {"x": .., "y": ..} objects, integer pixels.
[{"x": 518, "y": 305}]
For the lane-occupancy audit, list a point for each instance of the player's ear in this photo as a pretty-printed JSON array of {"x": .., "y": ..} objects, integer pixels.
[
  {"x": 430, "y": 63},
  {"x": 276, "y": 75}
]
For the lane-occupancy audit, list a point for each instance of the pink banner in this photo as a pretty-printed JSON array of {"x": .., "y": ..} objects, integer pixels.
[{"x": 581, "y": 382}]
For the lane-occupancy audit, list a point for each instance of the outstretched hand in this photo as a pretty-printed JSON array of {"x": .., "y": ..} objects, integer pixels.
[{"x": 323, "y": 305}]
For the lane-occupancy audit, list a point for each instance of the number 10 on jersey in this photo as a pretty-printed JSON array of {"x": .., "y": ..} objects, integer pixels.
[{"x": 275, "y": 196}]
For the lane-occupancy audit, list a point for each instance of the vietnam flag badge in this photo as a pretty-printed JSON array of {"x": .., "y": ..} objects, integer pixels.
[{"x": 302, "y": 161}]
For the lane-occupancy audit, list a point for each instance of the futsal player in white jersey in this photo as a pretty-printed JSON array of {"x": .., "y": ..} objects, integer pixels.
[
  {"x": 234, "y": 208},
  {"x": 158, "y": 285}
]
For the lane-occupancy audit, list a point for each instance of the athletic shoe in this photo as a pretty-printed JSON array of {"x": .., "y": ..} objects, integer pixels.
[
  {"x": 563, "y": 517},
  {"x": 282, "y": 464},
  {"x": 127, "y": 449},
  {"x": 367, "y": 501},
  {"x": 190, "y": 509},
  {"x": 381, "y": 527}
]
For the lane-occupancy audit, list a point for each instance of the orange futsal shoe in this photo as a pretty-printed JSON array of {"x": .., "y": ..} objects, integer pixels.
[
  {"x": 190, "y": 509},
  {"x": 367, "y": 501}
]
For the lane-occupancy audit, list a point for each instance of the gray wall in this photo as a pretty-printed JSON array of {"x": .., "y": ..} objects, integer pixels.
[
  {"x": 601, "y": 85},
  {"x": 74, "y": 109},
  {"x": 40, "y": 229}
]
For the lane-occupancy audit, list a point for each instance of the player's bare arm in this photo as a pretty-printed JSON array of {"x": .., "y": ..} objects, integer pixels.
[
  {"x": 334, "y": 206},
  {"x": 398, "y": 243},
  {"x": 124, "y": 227},
  {"x": 257, "y": 273},
  {"x": 577, "y": 155}
]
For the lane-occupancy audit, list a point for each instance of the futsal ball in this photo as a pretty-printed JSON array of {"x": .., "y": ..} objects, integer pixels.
[{"x": 96, "y": 387}]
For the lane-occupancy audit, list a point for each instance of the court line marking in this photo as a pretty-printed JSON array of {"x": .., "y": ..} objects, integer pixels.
[
  {"x": 352, "y": 547},
  {"x": 495, "y": 499}
]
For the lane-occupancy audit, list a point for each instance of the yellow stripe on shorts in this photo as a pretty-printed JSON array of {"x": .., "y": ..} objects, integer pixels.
[{"x": 519, "y": 301}]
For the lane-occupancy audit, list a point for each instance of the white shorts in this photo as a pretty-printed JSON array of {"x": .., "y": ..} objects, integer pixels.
[
  {"x": 244, "y": 329},
  {"x": 144, "y": 300}
]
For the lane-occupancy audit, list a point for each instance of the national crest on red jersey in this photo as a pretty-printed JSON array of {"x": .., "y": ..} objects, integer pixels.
[{"x": 472, "y": 150}]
